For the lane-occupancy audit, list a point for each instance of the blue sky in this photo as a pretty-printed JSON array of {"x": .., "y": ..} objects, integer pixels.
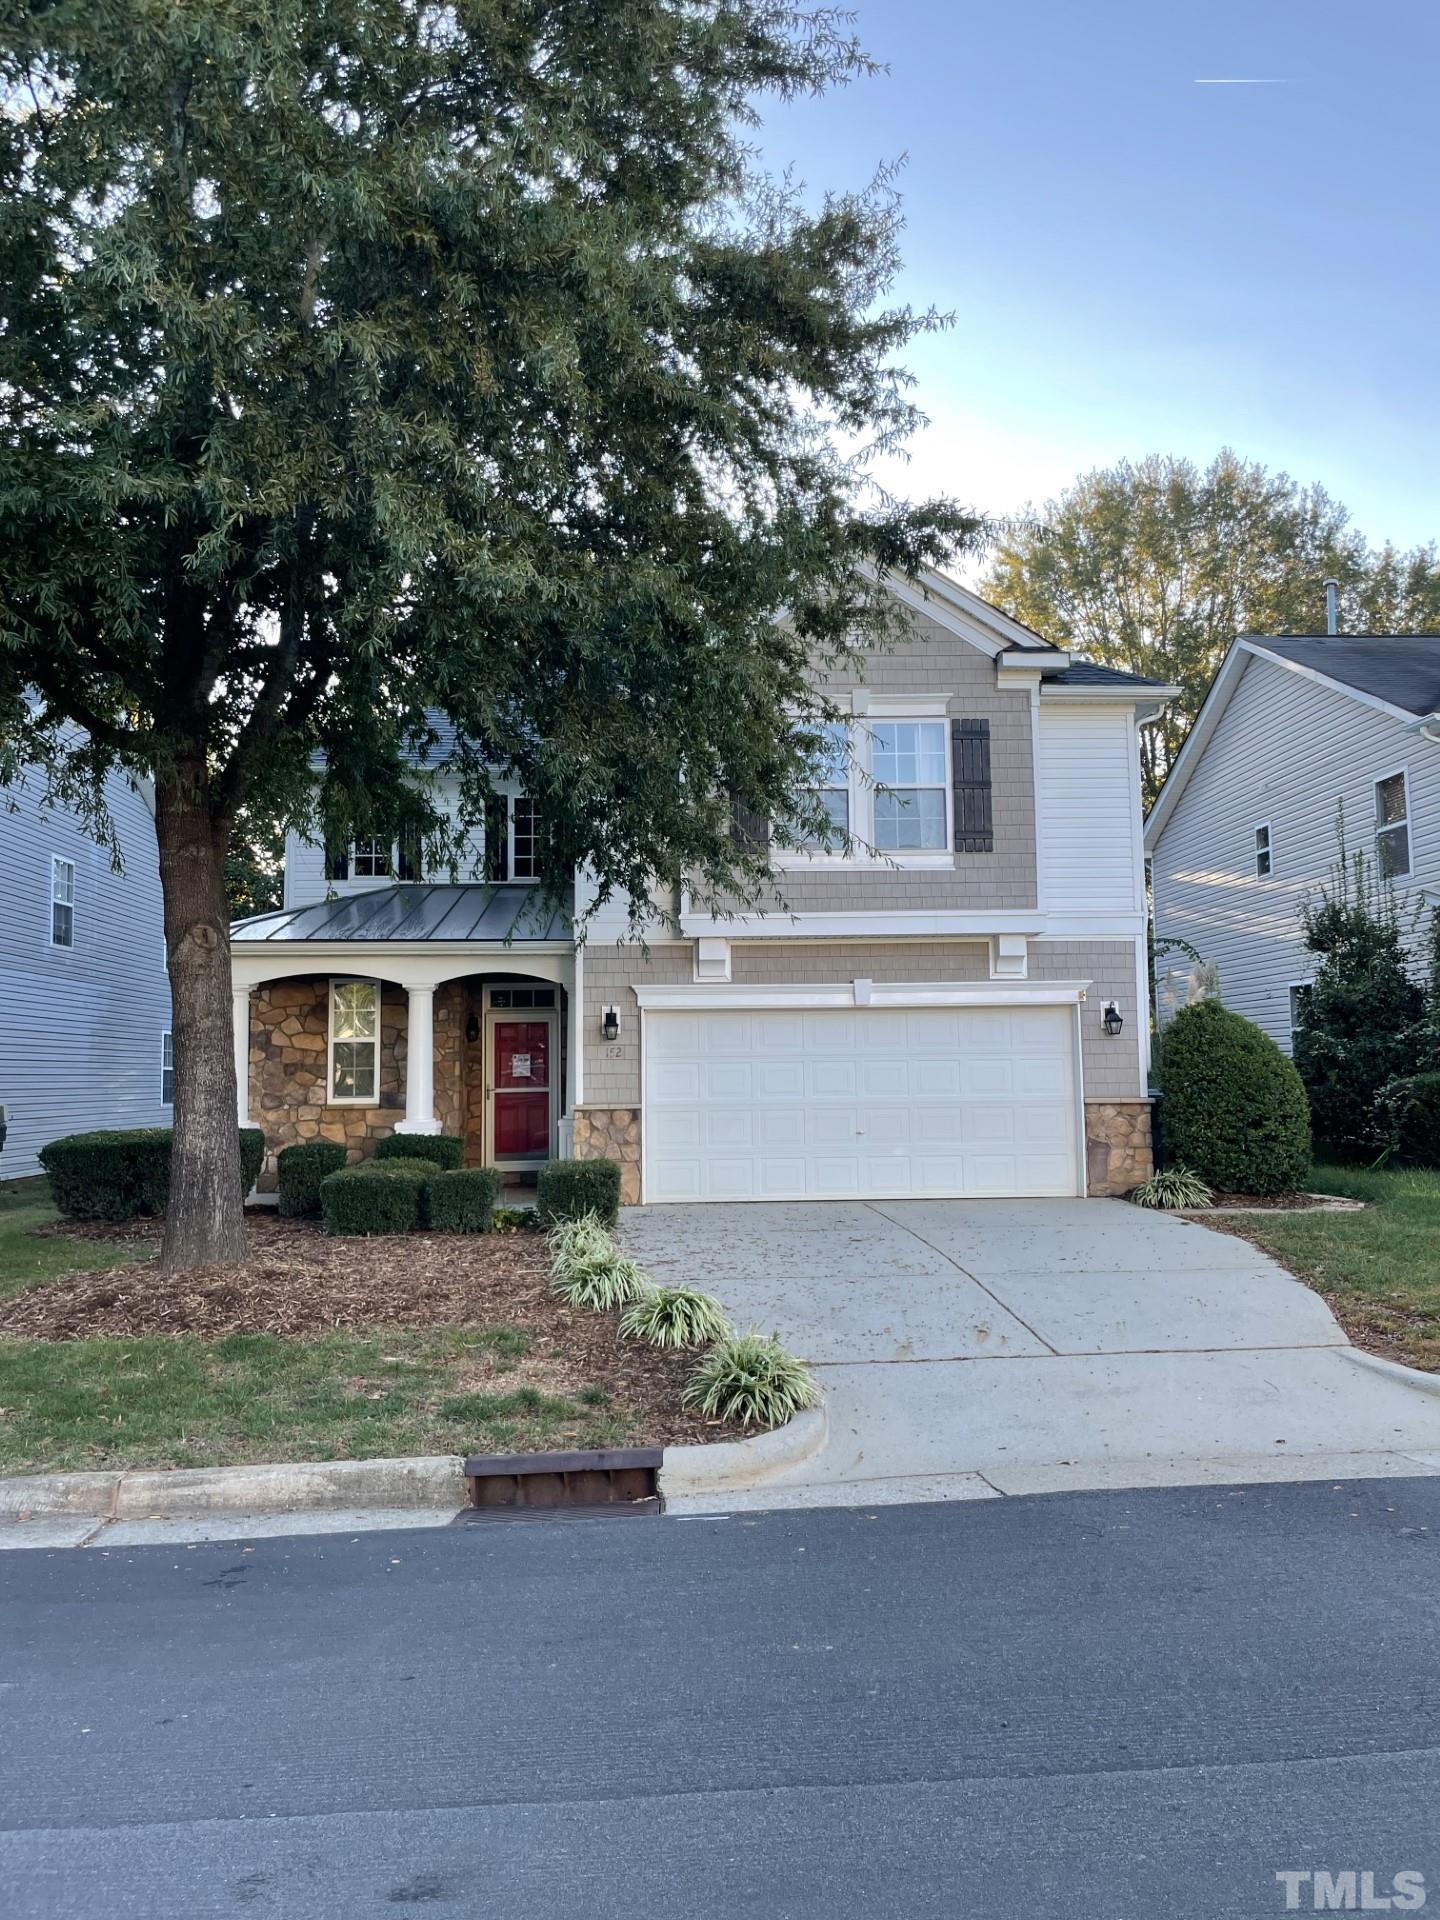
[{"x": 1141, "y": 264}]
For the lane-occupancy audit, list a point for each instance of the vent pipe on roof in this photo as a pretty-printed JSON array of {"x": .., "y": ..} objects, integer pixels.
[{"x": 1332, "y": 609}]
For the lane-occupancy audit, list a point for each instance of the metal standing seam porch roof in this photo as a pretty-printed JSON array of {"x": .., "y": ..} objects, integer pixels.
[{"x": 417, "y": 911}]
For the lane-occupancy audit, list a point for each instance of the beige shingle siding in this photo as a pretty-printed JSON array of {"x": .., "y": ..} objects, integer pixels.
[{"x": 1112, "y": 1066}]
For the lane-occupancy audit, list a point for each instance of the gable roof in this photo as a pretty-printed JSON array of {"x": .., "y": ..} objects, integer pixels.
[
  {"x": 1402, "y": 669},
  {"x": 1394, "y": 673},
  {"x": 1090, "y": 673}
]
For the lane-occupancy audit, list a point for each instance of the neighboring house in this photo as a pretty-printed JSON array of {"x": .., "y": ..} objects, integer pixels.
[
  {"x": 927, "y": 1019},
  {"x": 1293, "y": 731},
  {"x": 84, "y": 997}
]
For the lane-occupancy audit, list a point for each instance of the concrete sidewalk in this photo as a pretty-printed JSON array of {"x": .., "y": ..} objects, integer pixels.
[{"x": 973, "y": 1348}]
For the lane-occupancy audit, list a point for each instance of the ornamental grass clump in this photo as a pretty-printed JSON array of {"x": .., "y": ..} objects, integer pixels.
[
  {"x": 587, "y": 1268},
  {"x": 675, "y": 1317},
  {"x": 1172, "y": 1187},
  {"x": 750, "y": 1380}
]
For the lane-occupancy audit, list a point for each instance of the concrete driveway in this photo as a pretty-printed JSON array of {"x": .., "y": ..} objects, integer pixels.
[{"x": 969, "y": 1348}]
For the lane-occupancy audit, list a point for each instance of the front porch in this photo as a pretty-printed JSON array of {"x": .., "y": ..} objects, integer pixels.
[{"x": 353, "y": 1039}]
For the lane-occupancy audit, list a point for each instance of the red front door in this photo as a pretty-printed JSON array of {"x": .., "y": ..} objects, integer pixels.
[{"x": 521, "y": 1083}]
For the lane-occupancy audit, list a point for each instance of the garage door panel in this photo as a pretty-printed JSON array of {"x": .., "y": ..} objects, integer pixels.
[{"x": 825, "y": 1103}]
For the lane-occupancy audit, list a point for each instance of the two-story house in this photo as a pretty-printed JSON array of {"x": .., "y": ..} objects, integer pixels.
[
  {"x": 84, "y": 996},
  {"x": 1295, "y": 735},
  {"x": 954, "y": 1006}
]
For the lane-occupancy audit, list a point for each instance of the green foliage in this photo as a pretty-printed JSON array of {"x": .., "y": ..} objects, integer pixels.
[
  {"x": 1172, "y": 1187},
  {"x": 515, "y": 1220},
  {"x": 254, "y": 868},
  {"x": 675, "y": 1317},
  {"x": 1235, "y": 1110},
  {"x": 120, "y": 1175},
  {"x": 300, "y": 1170},
  {"x": 1407, "y": 1118},
  {"x": 378, "y": 1196},
  {"x": 444, "y": 1149},
  {"x": 1364, "y": 1022},
  {"x": 588, "y": 1269},
  {"x": 566, "y": 1189},
  {"x": 751, "y": 1381},
  {"x": 1154, "y": 566},
  {"x": 462, "y": 1199}
]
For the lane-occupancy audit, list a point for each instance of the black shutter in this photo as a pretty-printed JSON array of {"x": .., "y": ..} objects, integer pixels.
[
  {"x": 408, "y": 861},
  {"x": 497, "y": 838},
  {"x": 749, "y": 829},
  {"x": 337, "y": 863},
  {"x": 970, "y": 755}
]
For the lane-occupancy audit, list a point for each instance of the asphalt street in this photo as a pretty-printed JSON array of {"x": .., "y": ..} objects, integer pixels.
[{"x": 1120, "y": 1706}]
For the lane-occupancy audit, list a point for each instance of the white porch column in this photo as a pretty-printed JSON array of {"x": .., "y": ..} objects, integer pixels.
[
  {"x": 240, "y": 1006},
  {"x": 420, "y": 1063}
]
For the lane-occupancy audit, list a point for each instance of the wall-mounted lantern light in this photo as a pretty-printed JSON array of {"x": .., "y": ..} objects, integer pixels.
[
  {"x": 1112, "y": 1019},
  {"x": 610, "y": 1024},
  {"x": 472, "y": 1029}
]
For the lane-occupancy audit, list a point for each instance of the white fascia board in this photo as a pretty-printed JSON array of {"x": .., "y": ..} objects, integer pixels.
[
  {"x": 961, "y": 613},
  {"x": 1029, "y": 664},
  {"x": 940, "y": 993},
  {"x": 891, "y": 925},
  {"x": 405, "y": 962},
  {"x": 1093, "y": 926},
  {"x": 1116, "y": 696},
  {"x": 1257, "y": 646}
]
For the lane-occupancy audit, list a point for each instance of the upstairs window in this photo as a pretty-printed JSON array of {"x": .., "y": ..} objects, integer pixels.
[
  {"x": 167, "y": 1070},
  {"x": 911, "y": 769},
  {"x": 830, "y": 783},
  {"x": 1262, "y": 852},
  {"x": 512, "y": 838},
  {"x": 1392, "y": 826},
  {"x": 354, "y": 1042},
  {"x": 62, "y": 903},
  {"x": 1299, "y": 1004},
  {"x": 371, "y": 860}
]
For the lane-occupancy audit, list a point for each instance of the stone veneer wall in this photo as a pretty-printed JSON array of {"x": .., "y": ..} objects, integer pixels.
[
  {"x": 612, "y": 1133},
  {"x": 1118, "y": 1152},
  {"x": 289, "y": 1033}
]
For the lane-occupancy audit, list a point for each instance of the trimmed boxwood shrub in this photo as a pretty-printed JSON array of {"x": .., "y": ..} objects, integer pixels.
[
  {"x": 1407, "y": 1116},
  {"x": 120, "y": 1174},
  {"x": 462, "y": 1199},
  {"x": 301, "y": 1168},
  {"x": 567, "y": 1188},
  {"x": 1235, "y": 1109},
  {"x": 378, "y": 1196},
  {"x": 444, "y": 1149}
]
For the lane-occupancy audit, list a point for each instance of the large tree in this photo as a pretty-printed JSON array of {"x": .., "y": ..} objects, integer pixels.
[
  {"x": 1155, "y": 566},
  {"x": 359, "y": 355}
]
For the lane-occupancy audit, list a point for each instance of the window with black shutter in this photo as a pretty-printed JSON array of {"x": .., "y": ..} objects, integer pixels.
[
  {"x": 337, "y": 863},
  {"x": 970, "y": 754}
]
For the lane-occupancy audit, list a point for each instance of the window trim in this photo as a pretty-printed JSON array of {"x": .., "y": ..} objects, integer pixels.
[
  {"x": 167, "y": 1066},
  {"x": 510, "y": 878},
  {"x": 58, "y": 860},
  {"x": 1263, "y": 826},
  {"x": 862, "y": 787},
  {"x": 1401, "y": 773},
  {"x": 377, "y": 847},
  {"x": 333, "y": 1099}
]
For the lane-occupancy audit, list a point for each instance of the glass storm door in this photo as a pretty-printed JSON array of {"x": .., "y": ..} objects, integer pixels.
[{"x": 520, "y": 1056}]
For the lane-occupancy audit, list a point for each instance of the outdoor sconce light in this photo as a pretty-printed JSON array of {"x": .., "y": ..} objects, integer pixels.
[
  {"x": 1112, "y": 1019},
  {"x": 472, "y": 1030},
  {"x": 610, "y": 1024}
]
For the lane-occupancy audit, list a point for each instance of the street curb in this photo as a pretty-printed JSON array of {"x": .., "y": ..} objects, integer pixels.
[
  {"x": 1396, "y": 1369},
  {"x": 436, "y": 1481},
  {"x": 733, "y": 1465}
]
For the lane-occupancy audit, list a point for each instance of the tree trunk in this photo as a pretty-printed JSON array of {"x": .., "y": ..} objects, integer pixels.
[{"x": 205, "y": 1224}]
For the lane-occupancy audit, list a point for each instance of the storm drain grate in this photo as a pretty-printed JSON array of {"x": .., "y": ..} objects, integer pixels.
[{"x": 621, "y": 1479}]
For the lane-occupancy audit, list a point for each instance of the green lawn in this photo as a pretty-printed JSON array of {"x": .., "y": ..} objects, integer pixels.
[
  {"x": 25, "y": 1261},
  {"x": 1380, "y": 1270},
  {"x": 178, "y": 1401}
]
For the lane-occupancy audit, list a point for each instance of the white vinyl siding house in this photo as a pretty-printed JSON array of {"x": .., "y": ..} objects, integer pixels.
[
  {"x": 1289, "y": 755},
  {"x": 84, "y": 997}
]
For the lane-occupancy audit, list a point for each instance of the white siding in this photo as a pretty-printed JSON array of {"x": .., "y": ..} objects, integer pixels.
[
  {"x": 1286, "y": 751},
  {"x": 1087, "y": 810},
  {"x": 80, "y": 1027}
]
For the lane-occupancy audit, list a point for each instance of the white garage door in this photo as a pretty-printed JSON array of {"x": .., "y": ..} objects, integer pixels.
[{"x": 878, "y": 1102}]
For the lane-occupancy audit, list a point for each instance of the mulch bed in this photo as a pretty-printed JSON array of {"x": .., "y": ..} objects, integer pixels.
[
  {"x": 300, "y": 1283},
  {"x": 1276, "y": 1202}
]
